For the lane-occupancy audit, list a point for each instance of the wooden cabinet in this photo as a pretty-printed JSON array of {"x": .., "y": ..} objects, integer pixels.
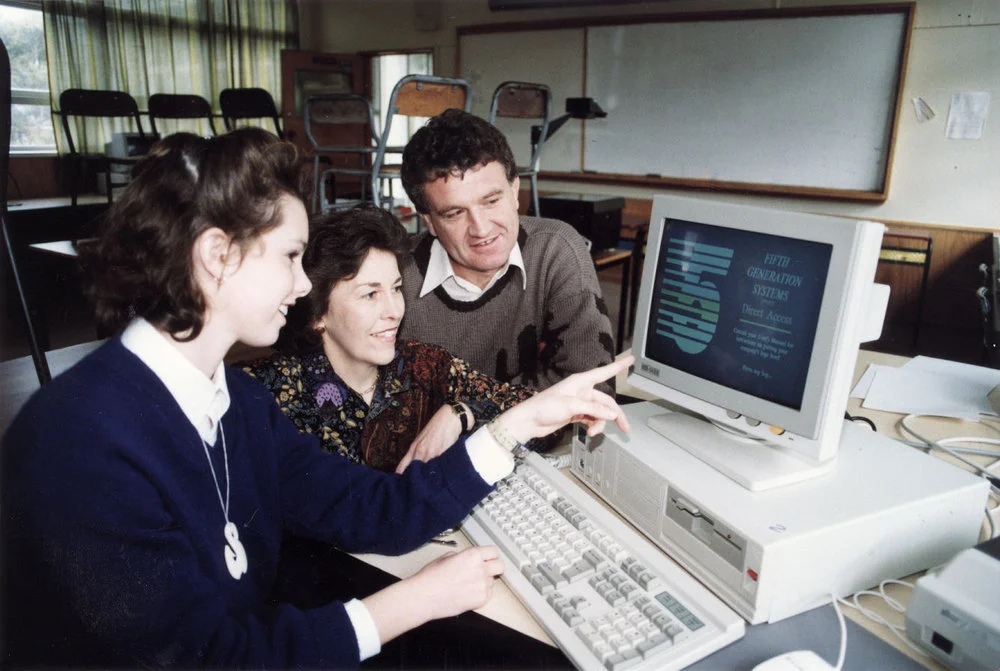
[{"x": 309, "y": 73}]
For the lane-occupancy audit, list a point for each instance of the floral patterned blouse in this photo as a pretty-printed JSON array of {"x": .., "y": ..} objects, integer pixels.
[{"x": 419, "y": 380}]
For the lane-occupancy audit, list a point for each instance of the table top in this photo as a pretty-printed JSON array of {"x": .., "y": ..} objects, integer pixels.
[
  {"x": 49, "y": 203},
  {"x": 609, "y": 257},
  {"x": 65, "y": 248}
]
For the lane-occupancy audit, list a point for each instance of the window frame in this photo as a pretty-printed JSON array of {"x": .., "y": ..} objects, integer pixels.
[{"x": 34, "y": 97}]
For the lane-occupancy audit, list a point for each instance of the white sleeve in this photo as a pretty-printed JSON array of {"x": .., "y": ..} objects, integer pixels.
[
  {"x": 489, "y": 458},
  {"x": 369, "y": 642}
]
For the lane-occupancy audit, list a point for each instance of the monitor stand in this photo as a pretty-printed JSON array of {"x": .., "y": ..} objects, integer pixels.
[{"x": 754, "y": 464}]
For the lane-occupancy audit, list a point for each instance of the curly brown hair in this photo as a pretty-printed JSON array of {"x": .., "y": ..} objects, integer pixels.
[
  {"x": 339, "y": 243},
  {"x": 141, "y": 263},
  {"x": 452, "y": 143}
]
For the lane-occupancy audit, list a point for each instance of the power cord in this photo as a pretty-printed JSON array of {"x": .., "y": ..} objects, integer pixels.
[
  {"x": 943, "y": 445},
  {"x": 843, "y": 632},
  {"x": 860, "y": 418},
  {"x": 957, "y": 452},
  {"x": 898, "y": 630}
]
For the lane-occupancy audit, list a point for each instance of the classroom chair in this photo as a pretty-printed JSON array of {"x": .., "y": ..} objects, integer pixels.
[
  {"x": 524, "y": 100},
  {"x": 329, "y": 121},
  {"x": 420, "y": 96},
  {"x": 76, "y": 106},
  {"x": 179, "y": 106},
  {"x": 248, "y": 103}
]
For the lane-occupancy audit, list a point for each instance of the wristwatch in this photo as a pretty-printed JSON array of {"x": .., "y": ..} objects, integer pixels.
[{"x": 463, "y": 416}]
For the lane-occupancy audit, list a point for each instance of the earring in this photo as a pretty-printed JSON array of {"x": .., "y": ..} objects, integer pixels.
[
  {"x": 319, "y": 328},
  {"x": 222, "y": 272}
]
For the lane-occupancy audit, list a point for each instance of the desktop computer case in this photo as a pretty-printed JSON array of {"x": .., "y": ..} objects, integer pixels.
[{"x": 885, "y": 511}]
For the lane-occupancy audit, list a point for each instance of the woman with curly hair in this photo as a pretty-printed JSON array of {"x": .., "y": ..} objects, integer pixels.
[{"x": 342, "y": 375}]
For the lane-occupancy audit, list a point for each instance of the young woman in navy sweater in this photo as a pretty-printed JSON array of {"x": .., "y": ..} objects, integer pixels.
[{"x": 146, "y": 490}]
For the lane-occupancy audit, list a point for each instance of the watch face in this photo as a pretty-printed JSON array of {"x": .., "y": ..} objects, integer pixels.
[{"x": 462, "y": 416}]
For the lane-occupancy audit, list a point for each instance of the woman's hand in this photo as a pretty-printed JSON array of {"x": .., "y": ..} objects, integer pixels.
[
  {"x": 440, "y": 433},
  {"x": 572, "y": 400},
  {"x": 457, "y": 582},
  {"x": 449, "y": 585}
]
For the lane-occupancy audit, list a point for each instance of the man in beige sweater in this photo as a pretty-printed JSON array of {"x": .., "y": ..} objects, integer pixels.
[{"x": 515, "y": 296}]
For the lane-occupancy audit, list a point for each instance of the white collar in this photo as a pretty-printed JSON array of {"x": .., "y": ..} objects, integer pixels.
[
  {"x": 202, "y": 400},
  {"x": 440, "y": 272}
]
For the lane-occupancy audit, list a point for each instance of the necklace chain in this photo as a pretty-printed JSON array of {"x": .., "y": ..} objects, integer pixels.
[
  {"x": 225, "y": 458},
  {"x": 234, "y": 552}
]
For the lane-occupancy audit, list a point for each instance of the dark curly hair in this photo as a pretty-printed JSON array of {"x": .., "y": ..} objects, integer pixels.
[
  {"x": 452, "y": 143},
  {"x": 141, "y": 262},
  {"x": 339, "y": 243}
]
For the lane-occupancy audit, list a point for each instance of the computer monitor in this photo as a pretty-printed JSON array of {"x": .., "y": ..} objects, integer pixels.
[
  {"x": 749, "y": 321},
  {"x": 126, "y": 145}
]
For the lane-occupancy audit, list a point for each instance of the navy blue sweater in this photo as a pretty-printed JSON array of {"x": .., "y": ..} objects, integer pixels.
[{"x": 112, "y": 525}]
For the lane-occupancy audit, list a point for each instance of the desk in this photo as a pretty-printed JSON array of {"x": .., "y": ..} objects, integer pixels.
[
  {"x": 38, "y": 339},
  {"x": 597, "y": 218},
  {"x": 63, "y": 248},
  {"x": 17, "y": 383},
  {"x": 505, "y": 608},
  {"x": 34, "y": 221},
  {"x": 609, "y": 258},
  {"x": 638, "y": 229}
]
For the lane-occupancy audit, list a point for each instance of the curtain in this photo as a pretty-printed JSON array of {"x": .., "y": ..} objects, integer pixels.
[{"x": 164, "y": 46}]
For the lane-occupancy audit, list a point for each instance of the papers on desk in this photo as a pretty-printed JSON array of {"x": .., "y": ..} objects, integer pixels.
[{"x": 929, "y": 386}]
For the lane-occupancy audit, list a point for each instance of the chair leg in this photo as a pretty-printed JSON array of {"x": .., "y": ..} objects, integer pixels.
[
  {"x": 623, "y": 301},
  {"x": 108, "y": 184},
  {"x": 74, "y": 179},
  {"x": 37, "y": 353},
  {"x": 638, "y": 257},
  {"x": 534, "y": 196},
  {"x": 376, "y": 192}
]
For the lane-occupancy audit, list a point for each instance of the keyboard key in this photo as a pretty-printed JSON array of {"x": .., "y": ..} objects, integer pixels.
[
  {"x": 625, "y": 660},
  {"x": 550, "y": 571},
  {"x": 652, "y": 645}
]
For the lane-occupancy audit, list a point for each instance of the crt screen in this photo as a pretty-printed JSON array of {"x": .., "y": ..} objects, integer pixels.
[{"x": 737, "y": 308}]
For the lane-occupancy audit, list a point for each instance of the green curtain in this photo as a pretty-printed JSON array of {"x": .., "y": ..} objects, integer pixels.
[{"x": 164, "y": 46}]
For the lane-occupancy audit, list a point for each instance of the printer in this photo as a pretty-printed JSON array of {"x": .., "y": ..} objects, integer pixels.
[{"x": 954, "y": 611}]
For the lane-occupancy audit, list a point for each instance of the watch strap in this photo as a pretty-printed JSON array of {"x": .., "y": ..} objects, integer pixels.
[
  {"x": 506, "y": 441},
  {"x": 463, "y": 416}
]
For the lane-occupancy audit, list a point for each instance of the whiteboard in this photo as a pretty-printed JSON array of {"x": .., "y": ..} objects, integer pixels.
[{"x": 778, "y": 101}]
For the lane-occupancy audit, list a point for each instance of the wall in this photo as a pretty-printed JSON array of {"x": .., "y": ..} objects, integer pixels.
[
  {"x": 34, "y": 177},
  {"x": 955, "y": 48}
]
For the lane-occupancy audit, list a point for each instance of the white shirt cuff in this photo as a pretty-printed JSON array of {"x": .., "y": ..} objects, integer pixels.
[
  {"x": 489, "y": 458},
  {"x": 369, "y": 642}
]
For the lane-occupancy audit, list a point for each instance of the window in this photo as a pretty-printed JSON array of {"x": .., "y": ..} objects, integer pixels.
[
  {"x": 387, "y": 69},
  {"x": 23, "y": 34}
]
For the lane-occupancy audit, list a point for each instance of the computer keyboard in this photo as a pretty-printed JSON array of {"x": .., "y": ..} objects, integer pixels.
[{"x": 606, "y": 596}]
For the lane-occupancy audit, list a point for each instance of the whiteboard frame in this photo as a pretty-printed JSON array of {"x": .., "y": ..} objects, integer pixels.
[{"x": 876, "y": 191}]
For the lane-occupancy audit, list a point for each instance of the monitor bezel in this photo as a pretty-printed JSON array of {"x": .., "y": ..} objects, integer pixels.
[{"x": 813, "y": 429}]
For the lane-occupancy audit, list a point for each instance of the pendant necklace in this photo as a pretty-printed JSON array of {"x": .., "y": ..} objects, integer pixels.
[{"x": 234, "y": 552}]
